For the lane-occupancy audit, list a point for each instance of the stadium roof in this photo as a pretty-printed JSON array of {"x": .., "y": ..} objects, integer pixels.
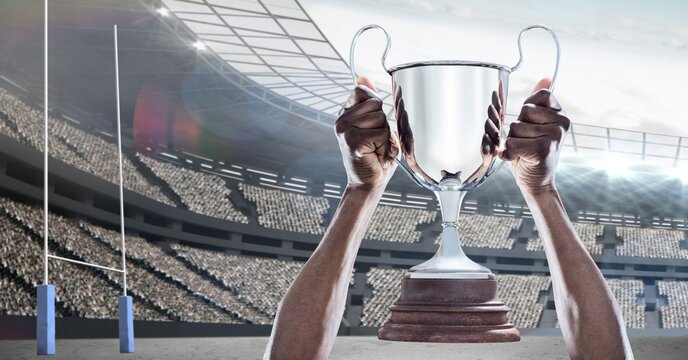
[{"x": 276, "y": 46}]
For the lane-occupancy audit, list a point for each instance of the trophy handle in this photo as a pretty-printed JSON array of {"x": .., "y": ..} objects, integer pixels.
[
  {"x": 493, "y": 169},
  {"x": 383, "y": 59},
  {"x": 520, "y": 51}
]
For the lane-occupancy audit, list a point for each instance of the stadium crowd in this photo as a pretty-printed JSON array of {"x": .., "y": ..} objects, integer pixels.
[
  {"x": 588, "y": 234},
  {"x": 398, "y": 224},
  {"x": 197, "y": 285},
  {"x": 674, "y": 314},
  {"x": 259, "y": 282},
  {"x": 486, "y": 231},
  {"x": 627, "y": 293},
  {"x": 288, "y": 211},
  {"x": 203, "y": 193},
  {"x": 651, "y": 243},
  {"x": 14, "y": 299},
  {"x": 142, "y": 251},
  {"x": 520, "y": 292},
  {"x": 87, "y": 152}
]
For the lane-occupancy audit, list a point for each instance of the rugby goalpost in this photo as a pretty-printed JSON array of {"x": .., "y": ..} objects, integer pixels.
[{"x": 45, "y": 314}]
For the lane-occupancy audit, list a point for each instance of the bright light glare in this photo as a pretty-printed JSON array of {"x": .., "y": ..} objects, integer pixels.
[
  {"x": 614, "y": 165},
  {"x": 163, "y": 12},
  {"x": 199, "y": 45},
  {"x": 679, "y": 172}
]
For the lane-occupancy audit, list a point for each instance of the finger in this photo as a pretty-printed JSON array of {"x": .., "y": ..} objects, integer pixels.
[
  {"x": 493, "y": 114},
  {"x": 393, "y": 145},
  {"x": 488, "y": 146},
  {"x": 367, "y": 106},
  {"x": 521, "y": 147},
  {"x": 543, "y": 96},
  {"x": 359, "y": 94},
  {"x": 501, "y": 95},
  {"x": 490, "y": 128},
  {"x": 362, "y": 80},
  {"x": 496, "y": 102},
  {"x": 542, "y": 115},
  {"x": 366, "y": 141},
  {"x": 527, "y": 130},
  {"x": 544, "y": 83},
  {"x": 382, "y": 152},
  {"x": 404, "y": 130},
  {"x": 369, "y": 120}
]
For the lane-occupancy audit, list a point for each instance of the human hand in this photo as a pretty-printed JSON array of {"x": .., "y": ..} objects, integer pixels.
[
  {"x": 366, "y": 142},
  {"x": 535, "y": 139}
]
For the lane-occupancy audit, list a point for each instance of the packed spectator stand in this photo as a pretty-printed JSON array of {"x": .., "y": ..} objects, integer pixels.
[
  {"x": 627, "y": 293},
  {"x": 486, "y": 231},
  {"x": 391, "y": 223},
  {"x": 588, "y": 234},
  {"x": 203, "y": 193},
  {"x": 180, "y": 282},
  {"x": 675, "y": 313},
  {"x": 651, "y": 243},
  {"x": 283, "y": 210}
]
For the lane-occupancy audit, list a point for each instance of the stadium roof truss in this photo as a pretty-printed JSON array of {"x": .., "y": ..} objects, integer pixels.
[
  {"x": 275, "y": 45},
  {"x": 275, "y": 51},
  {"x": 661, "y": 150}
]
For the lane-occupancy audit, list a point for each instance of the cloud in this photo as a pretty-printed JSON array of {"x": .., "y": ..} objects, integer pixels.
[
  {"x": 441, "y": 7},
  {"x": 642, "y": 30},
  {"x": 624, "y": 71}
]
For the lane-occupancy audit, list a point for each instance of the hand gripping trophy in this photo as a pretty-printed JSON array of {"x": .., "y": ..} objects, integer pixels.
[{"x": 440, "y": 110}]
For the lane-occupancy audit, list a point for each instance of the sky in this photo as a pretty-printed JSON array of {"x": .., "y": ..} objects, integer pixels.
[{"x": 624, "y": 64}]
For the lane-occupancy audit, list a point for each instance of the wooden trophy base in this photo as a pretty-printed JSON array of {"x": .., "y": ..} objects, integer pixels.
[{"x": 449, "y": 311}]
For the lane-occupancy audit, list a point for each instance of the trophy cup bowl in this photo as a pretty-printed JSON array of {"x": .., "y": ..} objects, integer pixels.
[{"x": 440, "y": 110}]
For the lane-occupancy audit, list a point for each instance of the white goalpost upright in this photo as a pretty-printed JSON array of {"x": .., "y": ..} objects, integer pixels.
[
  {"x": 45, "y": 312},
  {"x": 125, "y": 303},
  {"x": 45, "y": 306}
]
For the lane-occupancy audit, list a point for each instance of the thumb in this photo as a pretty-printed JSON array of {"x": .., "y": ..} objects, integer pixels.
[
  {"x": 364, "y": 90},
  {"x": 362, "y": 80},
  {"x": 542, "y": 84}
]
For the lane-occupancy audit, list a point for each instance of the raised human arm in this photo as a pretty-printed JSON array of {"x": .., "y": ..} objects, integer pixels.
[
  {"x": 589, "y": 316},
  {"x": 310, "y": 313}
]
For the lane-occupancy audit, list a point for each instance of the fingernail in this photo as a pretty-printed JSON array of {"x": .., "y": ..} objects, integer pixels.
[
  {"x": 385, "y": 164},
  {"x": 394, "y": 149}
]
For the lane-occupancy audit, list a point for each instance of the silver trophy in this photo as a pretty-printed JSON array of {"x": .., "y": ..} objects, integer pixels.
[{"x": 440, "y": 113}]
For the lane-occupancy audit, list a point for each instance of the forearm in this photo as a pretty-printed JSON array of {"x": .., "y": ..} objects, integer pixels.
[
  {"x": 589, "y": 316},
  {"x": 309, "y": 315}
]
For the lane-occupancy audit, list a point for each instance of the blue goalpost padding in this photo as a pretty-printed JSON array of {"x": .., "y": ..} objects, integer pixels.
[
  {"x": 45, "y": 320},
  {"x": 126, "y": 324}
]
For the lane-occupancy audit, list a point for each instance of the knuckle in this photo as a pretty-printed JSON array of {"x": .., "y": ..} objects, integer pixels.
[
  {"x": 526, "y": 111},
  {"x": 350, "y": 137},
  {"x": 376, "y": 101},
  {"x": 516, "y": 128},
  {"x": 543, "y": 147},
  {"x": 380, "y": 116},
  {"x": 543, "y": 93},
  {"x": 339, "y": 126},
  {"x": 382, "y": 135},
  {"x": 565, "y": 122}
]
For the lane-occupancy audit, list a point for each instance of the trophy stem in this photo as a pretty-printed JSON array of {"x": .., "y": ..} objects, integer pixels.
[{"x": 450, "y": 261}]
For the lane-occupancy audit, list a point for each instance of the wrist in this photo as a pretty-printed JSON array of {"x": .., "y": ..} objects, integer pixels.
[
  {"x": 539, "y": 192},
  {"x": 364, "y": 190}
]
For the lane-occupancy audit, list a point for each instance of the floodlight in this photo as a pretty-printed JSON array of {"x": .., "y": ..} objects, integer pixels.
[
  {"x": 614, "y": 165},
  {"x": 679, "y": 172},
  {"x": 199, "y": 45}
]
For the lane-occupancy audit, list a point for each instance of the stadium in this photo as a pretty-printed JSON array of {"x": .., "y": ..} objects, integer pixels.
[{"x": 232, "y": 174}]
